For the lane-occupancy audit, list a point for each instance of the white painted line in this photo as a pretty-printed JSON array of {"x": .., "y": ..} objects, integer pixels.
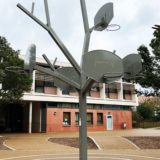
[
  {"x": 4, "y": 144},
  {"x": 78, "y": 158},
  {"x": 8, "y": 146},
  {"x": 90, "y": 154},
  {"x": 95, "y": 142},
  {"x": 129, "y": 155},
  {"x": 131, "y": 143},
  {"x": 37, "y": 155}
]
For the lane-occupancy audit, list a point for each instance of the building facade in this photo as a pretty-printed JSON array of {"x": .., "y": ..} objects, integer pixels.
[{"x": 47, "y": 108}]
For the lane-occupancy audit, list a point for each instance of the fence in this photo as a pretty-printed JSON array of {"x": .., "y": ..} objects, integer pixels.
[{"x": 146, "y": 124}]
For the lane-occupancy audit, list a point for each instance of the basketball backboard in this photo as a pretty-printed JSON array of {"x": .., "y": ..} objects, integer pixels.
[
  {"x": 30, "y": 58},
  {"x": 100, "y": 64},
  {"x": 103, "y": 17},
  {"x": 132, "y": 65},
  {"x": 70, "y": 73}
]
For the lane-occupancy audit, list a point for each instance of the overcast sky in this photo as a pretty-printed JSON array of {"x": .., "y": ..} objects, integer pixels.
[{"x": 136, "y": 17}]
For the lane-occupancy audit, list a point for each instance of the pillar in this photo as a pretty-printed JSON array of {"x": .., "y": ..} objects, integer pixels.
[
  {"x": 59, "y": 91},
  {"x": 120, "y": 91},
  {"x": 33, "y": 81},
  {"x": 30, "y": 117},
  {"x": 102, "y": 90}
]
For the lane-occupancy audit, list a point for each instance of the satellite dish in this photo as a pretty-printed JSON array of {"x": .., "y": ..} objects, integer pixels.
[
  {"x": 100, "y": 64},
  {"x": 70, "y": 73},
  {"x": 30, "y": 58},
  {"x": 132, "y": 65},
  {"x": 103, "y": 17}
]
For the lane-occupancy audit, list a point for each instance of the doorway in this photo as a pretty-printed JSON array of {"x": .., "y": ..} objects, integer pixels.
[
  {"x": 12, "y": 118},
  {"x": 109, "y": 120}
]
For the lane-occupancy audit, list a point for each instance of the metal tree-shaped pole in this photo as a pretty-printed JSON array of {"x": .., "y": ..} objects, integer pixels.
[
  {"x": 107, "y": 66},
  {"x": 84, "y": 84}
]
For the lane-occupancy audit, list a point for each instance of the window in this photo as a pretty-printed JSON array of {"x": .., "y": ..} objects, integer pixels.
[
  {"x": 49, "y": 84},
  {"x": 89, "y": 118},
  {"x": 107, "y": 92},
  {"x": 126, "y": 93},
  {"x": 113, "y": 90},
  {"x": 77, "y": 118},
  {"x": 66, "y": 118},
  {"x": 65, "y": 92},
  {"x": 99, "y": 118},
  {"x": 39, "y": 86}
]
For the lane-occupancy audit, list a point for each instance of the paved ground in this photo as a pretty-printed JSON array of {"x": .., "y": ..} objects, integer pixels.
[{"x": 113, "y": 146}]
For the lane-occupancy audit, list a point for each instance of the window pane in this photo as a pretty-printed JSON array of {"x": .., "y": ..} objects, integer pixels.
[
  {"x": 99, "y": 118},
  {"x": 39, "y": 89},
  {"x": 66, "y": 118},
  {"x": 39, "y": 83},
  {"x": 65, "y": 92},
  {"x": 77, "y": 118},
  {"x": 89, "y": 118},
  {"x": 49, "y": 84}
]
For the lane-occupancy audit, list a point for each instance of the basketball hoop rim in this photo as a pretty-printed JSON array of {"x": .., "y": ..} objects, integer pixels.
[{"x": 116, "y": 26}]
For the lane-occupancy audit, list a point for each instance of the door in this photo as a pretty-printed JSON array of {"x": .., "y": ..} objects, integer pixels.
[
  {"x": 109, "y": 119},
  {"x": 43, "y": 118}
]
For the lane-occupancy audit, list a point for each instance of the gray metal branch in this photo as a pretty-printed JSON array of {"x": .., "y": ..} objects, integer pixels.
[
  {"x": 47, "y": 13},
  {"x": 84, "y": 15},
  {"x": 54, "y": 37},
  {"x": 54, "y": 62},
  {"x": 33, "y": 17},
  {"x": 32, "y": 9},
  {"x": 58, "y": 76},
  {"x": 87, "y": 85},
  {"x": 48, "y": 62}
]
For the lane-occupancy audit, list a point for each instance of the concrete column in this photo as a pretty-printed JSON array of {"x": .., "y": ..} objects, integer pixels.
[
  {"x": 59, "y": 91},
  {"x": 102, "y": 90},
  {"x": 30, "y": 117},
  {"x": 33, "y": 81},
  {"x": 120, "y": 92}
]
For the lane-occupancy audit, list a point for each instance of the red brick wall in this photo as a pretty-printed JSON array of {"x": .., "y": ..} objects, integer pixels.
[
  {"x": 113, "y": 95},
  {"x": 95, "y": 94},
  {"x": 55, "y": 120},
  {"x": 50, "y": 90},
  {"x": 73, "y": 93},
  {"x": 128, "y": 97}
]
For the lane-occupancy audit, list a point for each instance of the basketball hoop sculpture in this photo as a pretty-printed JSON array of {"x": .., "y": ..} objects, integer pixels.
[{"x": 105, "y": 67}]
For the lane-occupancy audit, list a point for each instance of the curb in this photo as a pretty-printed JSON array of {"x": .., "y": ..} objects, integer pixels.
[
  {"x": 99, "y": 148},
  {"x": 131, "y": 143}
]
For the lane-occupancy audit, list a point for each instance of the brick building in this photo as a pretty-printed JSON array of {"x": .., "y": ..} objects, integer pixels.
[{"x": 49, "y": 109}]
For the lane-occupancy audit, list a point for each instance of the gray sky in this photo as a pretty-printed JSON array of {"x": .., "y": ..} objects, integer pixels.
[{"x": 136, "y": 17}]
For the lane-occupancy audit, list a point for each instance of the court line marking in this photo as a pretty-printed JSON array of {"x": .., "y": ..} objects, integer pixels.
[
  {"x": 4, "y": 144},
  {"x": 12, "y": 149},
  {"x": 131, "y": 143},
  {"x": 130, "y": 155},
  {"x": 114, "y": 158}
]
